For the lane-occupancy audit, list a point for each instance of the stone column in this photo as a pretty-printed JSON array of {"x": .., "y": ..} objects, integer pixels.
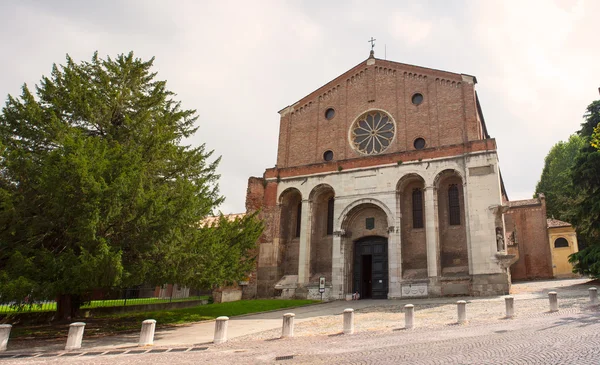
[
  {"x": 147, "y": 333},
  {"x": 221, "y": 330},
  {"x": 288, "y": 325},
  {"x": 552, "y": 298},
  {"x": 348, "y": 321},
  {"x": 75, "y": 336},
  {"x": 462, "y": 311},
  {"x": 337, "y": 260},
  {"x": 304, "y": 249},
  {"x": 4, "y": 335},
  {"x": 510, "y": 307},
  {"x": 431, "y": 232},
  {"x": 593, "y": 295},
  {"x": 409, "y": 316}
]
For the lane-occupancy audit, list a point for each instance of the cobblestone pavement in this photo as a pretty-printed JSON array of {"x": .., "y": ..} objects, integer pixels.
[{"x": 570, "y": 336}]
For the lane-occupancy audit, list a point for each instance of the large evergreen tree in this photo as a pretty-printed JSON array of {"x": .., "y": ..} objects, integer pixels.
[
  {"x": 586, "y": 179},
  {"x": 96, "y": 190}
]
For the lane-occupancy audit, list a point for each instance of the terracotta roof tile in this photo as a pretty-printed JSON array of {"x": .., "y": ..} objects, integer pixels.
[
  {"x": 553, "y": 223},
  {"x": 212, "y": 221},
  {"x": 520, "y": 203}
]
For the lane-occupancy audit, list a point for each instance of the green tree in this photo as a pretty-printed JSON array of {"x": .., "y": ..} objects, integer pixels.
[
  {"x": 556, "y": 182},
  {"x": 586, "y": 179},
  {"x": 97, "y": 190}
]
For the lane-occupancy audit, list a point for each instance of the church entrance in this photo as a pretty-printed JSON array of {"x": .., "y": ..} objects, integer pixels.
[{"x": 370, "y": 277}]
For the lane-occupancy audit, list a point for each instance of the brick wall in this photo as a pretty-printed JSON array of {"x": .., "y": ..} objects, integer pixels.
[
  {"x": 447, "y": 115},
  {"x": 533, "y": 247}
]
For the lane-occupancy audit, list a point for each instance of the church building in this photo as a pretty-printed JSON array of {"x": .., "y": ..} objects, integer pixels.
[{"x": 386, "y": 184}]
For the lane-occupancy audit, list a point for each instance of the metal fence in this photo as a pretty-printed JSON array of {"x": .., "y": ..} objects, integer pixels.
[{"x": 115, "y": 298}]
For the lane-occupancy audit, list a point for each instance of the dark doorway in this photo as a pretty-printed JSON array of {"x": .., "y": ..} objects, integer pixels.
[
  {"x": 370, "y": 277},
  {"x": 365, "y": 275}
]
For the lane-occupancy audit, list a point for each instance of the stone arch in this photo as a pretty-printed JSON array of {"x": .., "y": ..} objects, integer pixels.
[
  {"x": 322, "y": 213},
  {"x": 290, "y": 205},
  {"x": 454, "y": 254},
  {"x": 410, "y": 197},
  {"x": 360, "y": 220},
  {"x": 342, "y": 220}
]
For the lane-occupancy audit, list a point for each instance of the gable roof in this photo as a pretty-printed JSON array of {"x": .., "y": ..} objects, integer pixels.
[
  {"x": 446, "y": 75},
  {"x": 554, "y": 223},
  {"x": 522, "y": 203}
]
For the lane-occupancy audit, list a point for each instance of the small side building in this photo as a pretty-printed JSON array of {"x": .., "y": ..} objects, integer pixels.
[
  {"x": 563, "y": 243},
  {"x": 542, "y": 245}
]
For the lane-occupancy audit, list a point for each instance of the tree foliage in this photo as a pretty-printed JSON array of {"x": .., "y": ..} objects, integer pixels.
[
  {"x": 586, "y": 179},
  {"x": 97, "y": 191},
  {"x": 556, "y": 181}
]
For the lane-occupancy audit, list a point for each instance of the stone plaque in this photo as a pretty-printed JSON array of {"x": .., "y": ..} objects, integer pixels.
[
  {"x": 414, "y": 290},
  {"x": 365, "y": 182},
  {"x": 481, "y": 170}
]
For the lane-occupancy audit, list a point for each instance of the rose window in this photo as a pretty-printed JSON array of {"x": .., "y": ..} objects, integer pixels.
[{"x": 372, "y": 132}]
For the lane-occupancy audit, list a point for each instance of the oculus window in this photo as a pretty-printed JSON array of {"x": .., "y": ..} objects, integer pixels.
[
  {"x": 417, "y": 99},
  {"x": 328, "y": 156},
  {"x": 419, "y": 143},
  {"x": 372, "y": 132},
  {"x": 329, "y": 114}
]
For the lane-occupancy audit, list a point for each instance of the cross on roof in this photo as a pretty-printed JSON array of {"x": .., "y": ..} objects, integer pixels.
[{"x": 372, "y": 41}]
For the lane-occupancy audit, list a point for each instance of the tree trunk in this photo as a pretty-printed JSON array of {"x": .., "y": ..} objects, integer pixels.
[{"x": 67, "y": 306}]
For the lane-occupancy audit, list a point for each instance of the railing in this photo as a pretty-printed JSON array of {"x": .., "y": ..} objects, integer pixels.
[{"x": 114, "y": 298}]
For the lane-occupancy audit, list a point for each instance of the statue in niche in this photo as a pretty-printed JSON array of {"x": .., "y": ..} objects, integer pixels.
[{"x": 499, "y": 239}]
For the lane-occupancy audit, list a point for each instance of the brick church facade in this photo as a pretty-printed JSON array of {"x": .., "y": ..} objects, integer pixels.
[{"x": 387, "y": 184}]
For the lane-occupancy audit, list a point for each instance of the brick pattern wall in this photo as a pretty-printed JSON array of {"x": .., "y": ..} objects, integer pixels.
[
  {"x": 320, "y": 242},
  {"x": 447, "y": 115},
  {"x": 414, "y": 247},
  {"x": 454, "y": 254},
  {"x": 533, "y": 247}
]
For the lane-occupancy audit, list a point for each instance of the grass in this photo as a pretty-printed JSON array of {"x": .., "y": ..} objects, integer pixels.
[
  {"x": 50, "y": 306},
  {"x": 110, "y": 324}
]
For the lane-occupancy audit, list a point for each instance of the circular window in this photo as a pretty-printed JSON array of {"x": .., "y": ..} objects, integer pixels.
[
  {"x": 372, "y": 132},
  {"x": 561, "y": 242},
  {"x": 329, "y": 113},
  {"x": 417, "y": 99},
  {"x": 419, "y": 143},
  {"x": 328, "y": 156}
]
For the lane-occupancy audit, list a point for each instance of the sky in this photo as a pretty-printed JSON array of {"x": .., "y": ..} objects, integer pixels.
[{"x": 239, "y": 62}]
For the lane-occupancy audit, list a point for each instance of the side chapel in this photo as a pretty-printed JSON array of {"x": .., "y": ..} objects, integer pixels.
[{"x": 387, "y": 184}]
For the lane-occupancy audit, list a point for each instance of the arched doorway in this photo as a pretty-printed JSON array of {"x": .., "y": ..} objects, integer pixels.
[{"x": 370, "y": 276}]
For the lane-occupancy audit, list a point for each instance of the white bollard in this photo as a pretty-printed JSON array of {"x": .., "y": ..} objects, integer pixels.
[
  {"x": 462, "y": 311},
  {"x": 147, "y": 333},
  {"x": 552, "y": 297},
  {"x": 593, "y": 295},
  {"x": 409, "y": 316},
  {"x": 75, "y": 336},
  {"x": 4, "y": 335},
  {"x": 288, "y": 325},
  {"x": 510, "y": 307},
  {"x": 221, "y": 330},
  {"x": 348, "y": 321}
]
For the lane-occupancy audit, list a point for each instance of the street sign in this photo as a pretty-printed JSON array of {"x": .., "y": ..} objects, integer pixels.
[{"x": 322, "y": 284}]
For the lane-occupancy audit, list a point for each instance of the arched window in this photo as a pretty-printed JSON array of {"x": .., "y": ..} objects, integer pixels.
[
  {"x": 330, "y": 216},
  {"x": 561, "y": 242},
  {"x": 453, "y": 205},
  {"x": 298, "y": 219},
  {"x": 417, "y": 208}
]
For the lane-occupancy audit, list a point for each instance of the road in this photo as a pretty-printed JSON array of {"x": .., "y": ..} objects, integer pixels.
[{"x": 570, "y": 336}]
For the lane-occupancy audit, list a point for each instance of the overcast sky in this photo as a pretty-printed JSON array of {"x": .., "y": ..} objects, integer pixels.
[{"x": 239, "y": 62}]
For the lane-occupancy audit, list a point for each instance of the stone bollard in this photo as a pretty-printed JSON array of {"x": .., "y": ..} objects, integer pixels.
[
  {"x": 4, "y": 335},
  {"x": 510, "y": 307},
  {"x": 75, "y": 336},
  {"x": 221, "y": 330},
  {"x": 288, "y": 325},
  {"x": 462, "y": 311},
  {"x": 147, "y": 333},
  {"x": 409, "y": 316},
  {"x": 348, "y": 321},
  {"x": 552, "y": 297},
  {"x": 593, "y": 296}
]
